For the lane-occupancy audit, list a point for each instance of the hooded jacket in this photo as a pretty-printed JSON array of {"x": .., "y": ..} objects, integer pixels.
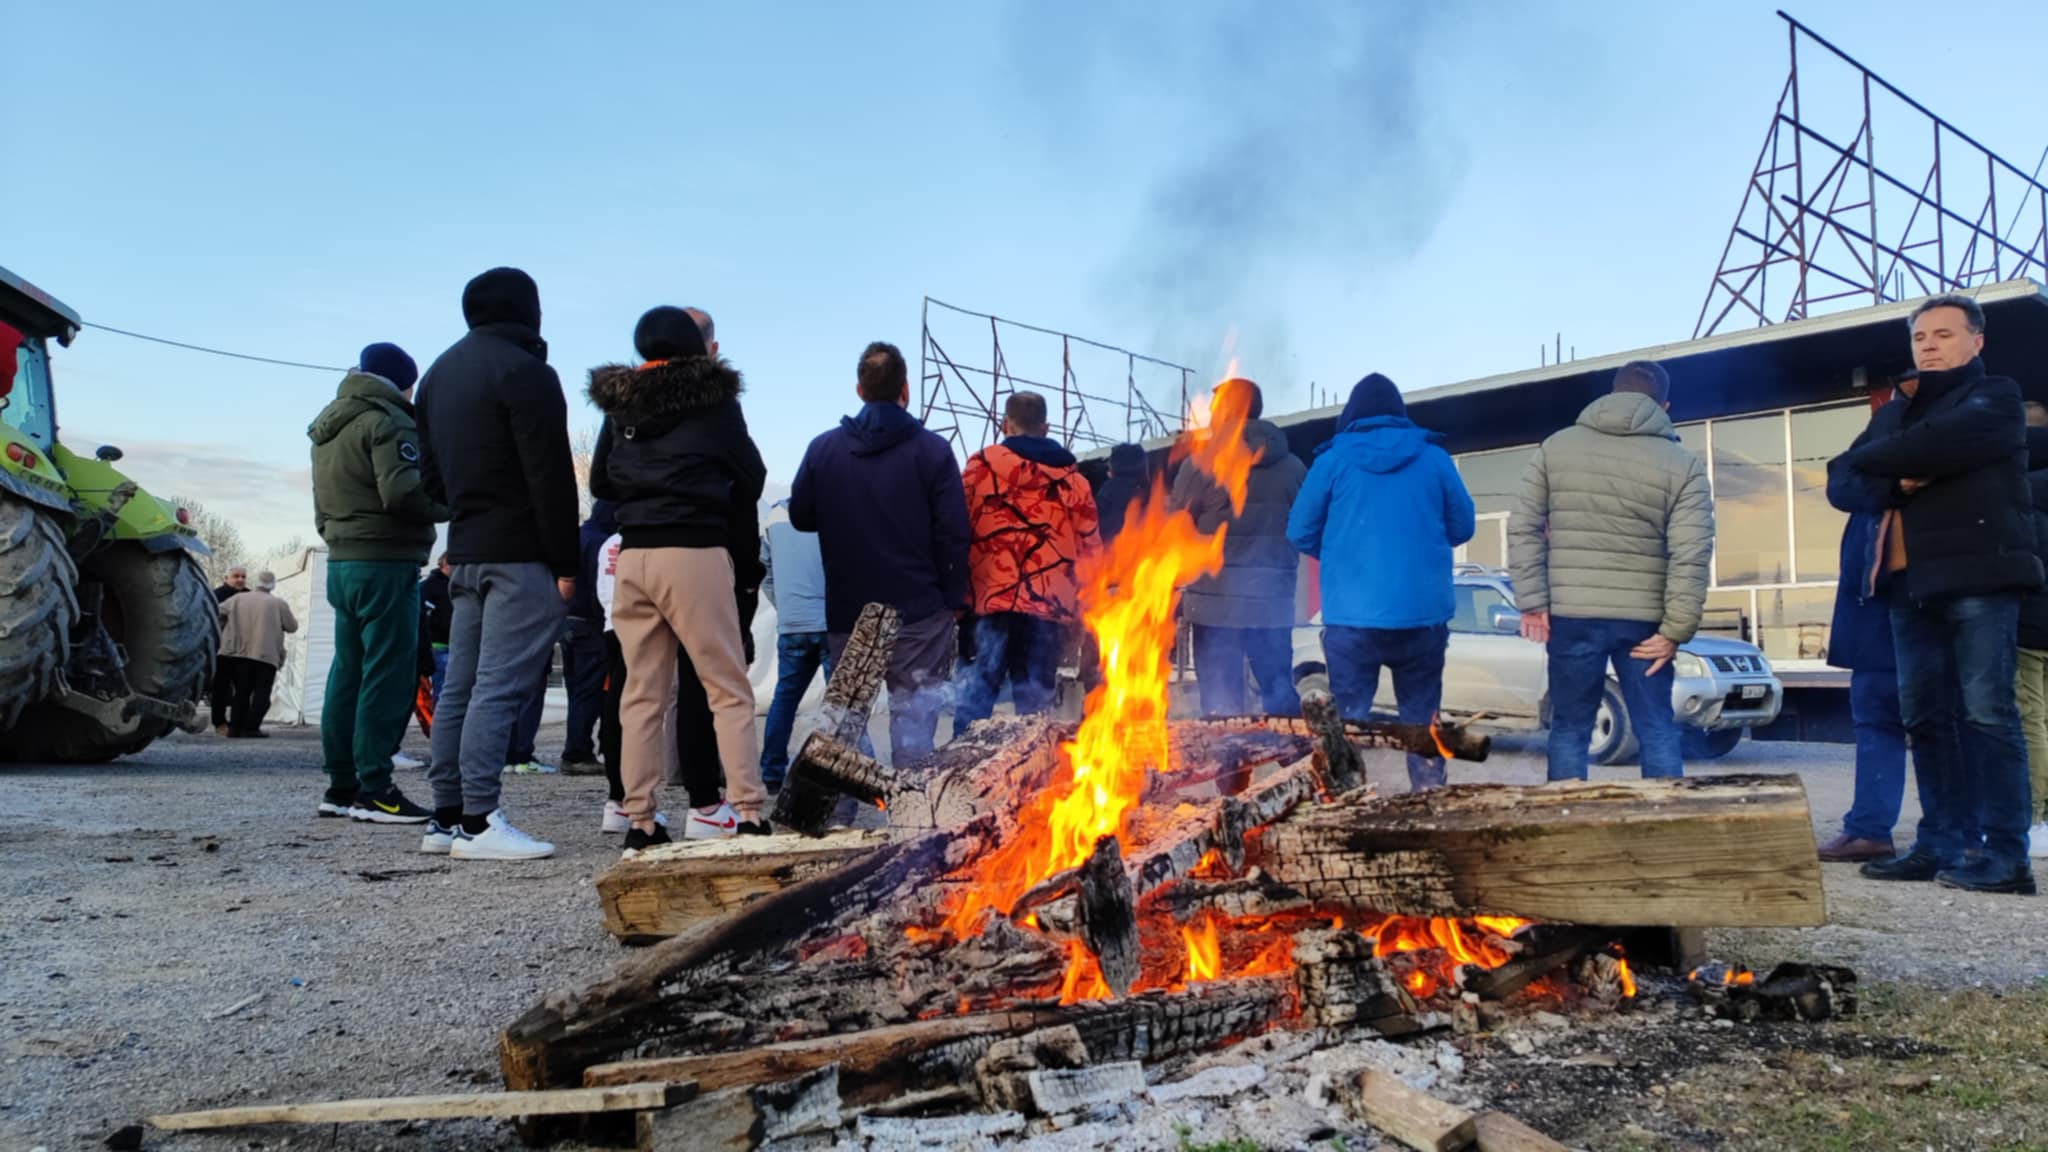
[
  {"x": 495, "y": 432},
  {"x": 1860, "y": 635},
  {"x": 676, "y": 457},
  {"x": 1614, "y": 521},
  {"x": 1970, "y": 531},
  {"x": 1384, "y": 509},
  {"x": 369, "y": 501},
  {"x": 1129, "y": 483},
  {"x": 884, "y": 496},
  {"x": 601, "y": 525},
  {"x": 1033, "y": 522},
  {"x": 1255, "y": 589}
]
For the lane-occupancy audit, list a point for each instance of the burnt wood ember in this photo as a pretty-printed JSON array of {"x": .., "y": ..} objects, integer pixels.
[
  {"x": 1343, "y": 985},
  {"x": 1421, "y": 739},
  {"x": 824, "y": 772},
  {"x": 1253, "y": 895},
  {"x": 1338, "y": 766},
  {"x": 1729, "y": 850},
  {"x": 830, "y": 763},
  {"x": 858, "y": 674},
  {"x": 1793, "y": 991},
  {"x": 1109, "y": 915},
  {"x": 1545, "y": 949},
  {"x": 1003, "y": 1074}
]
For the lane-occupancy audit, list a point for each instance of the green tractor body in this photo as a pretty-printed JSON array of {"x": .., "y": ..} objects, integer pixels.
[{"x": 108, "y": 633}]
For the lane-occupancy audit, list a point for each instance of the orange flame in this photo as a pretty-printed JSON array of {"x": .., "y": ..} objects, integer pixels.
[
  {"x": 1735, "y": 976},
  {"x": 1413, "y": 934},
  {"x": 1083, "y": 980},
  {"x": 1205, "y": 954},
  {"x": 1436, "y": 736},
  {"x": 1421, "y": 983},
  {"x": 1627, "y": 978},
  {"x": 1128, "y": 602}
]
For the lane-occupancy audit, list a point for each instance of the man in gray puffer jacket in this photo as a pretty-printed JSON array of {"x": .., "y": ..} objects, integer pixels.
[{"x": 1609, "y": 544}]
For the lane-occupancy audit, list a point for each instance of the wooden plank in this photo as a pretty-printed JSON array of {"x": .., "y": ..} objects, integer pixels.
[
  {"x": 503, "y": 1105},
  {"x": 1500, "y": 1132},
  {"x": 1713, "y": 851},
  {"x": 1412, "y": 1116},
  {"x": 670, "y": 888},
  {"x": 873, "y": 1065}
]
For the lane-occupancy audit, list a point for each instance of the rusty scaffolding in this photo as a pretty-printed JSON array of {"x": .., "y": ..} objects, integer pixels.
[
  {"x": 1822, "y": 220},
  {"x": 962, "y": 399}
]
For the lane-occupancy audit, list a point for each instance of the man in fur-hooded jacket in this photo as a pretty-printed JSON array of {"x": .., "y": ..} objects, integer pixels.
[{"x": 675, "y": 456}]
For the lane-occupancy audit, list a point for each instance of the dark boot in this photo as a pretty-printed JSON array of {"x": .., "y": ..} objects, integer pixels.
[
  {"x": 1918, "y": 864},
  {"x": 1990, "y": 874}
]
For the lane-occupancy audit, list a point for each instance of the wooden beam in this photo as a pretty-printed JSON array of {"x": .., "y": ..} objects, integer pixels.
[
  {"x": 1500, "y": 1132},
  {"x": 742, "y": 1119},
  {"x": 1711, "y": 851},
  {"x": 502, "y": 1105},
  {"x": 1109, "y": 915},
  {"x": 1412, "y": 1116},
  {"x": 668, "y": 889},
  {"x": 1338, "y": 766}
]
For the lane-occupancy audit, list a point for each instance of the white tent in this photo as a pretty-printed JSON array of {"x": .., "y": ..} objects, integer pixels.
[{"x": 302, "y": 682}]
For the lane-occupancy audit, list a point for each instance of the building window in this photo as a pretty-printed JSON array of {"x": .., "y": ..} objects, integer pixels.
[
  {"x": 1792, "y": 623},
  {"x": 1495, "y": 478},
  {"x": 1753, "y": 538},
  {"x": 1817, "y": 437}
]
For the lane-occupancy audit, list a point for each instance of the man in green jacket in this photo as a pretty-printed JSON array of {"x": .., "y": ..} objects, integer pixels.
[
  {"x": 371, "y": 508},
  {"x": 1609, "y": 543}
]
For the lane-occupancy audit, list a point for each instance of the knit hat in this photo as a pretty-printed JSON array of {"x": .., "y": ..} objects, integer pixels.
[
  {"x": 1127, "y": 460},
  {"x": 667, "y": 333},
  {"x": 1373, "y": 396},
  {"x": 501, "y": 295},
  {"x": 390, "y": 362}
]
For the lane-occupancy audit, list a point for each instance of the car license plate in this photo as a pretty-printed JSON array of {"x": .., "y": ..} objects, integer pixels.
[{"x": 1753, "y": 691}]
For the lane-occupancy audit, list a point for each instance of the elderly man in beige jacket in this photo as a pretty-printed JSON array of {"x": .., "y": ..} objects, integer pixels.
[
  {"x": 252, "y": 628},
  {"x": 1609, "y": 543}
]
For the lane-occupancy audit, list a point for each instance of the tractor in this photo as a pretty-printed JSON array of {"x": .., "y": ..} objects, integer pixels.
[{"x": 108, "y": 632}]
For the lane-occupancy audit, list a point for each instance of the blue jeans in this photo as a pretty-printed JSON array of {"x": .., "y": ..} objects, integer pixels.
[
  {"x": 504, "y": 622},
  {"x": 798, "y": 656},
  {"x": 1880, "y": 754},
  {"x": 1013, "y": 646},
  {"x": 583, "y": 676},
  {"x": 1580, "y": 651},
  {"x": 440, "y": 678},
  {"x": 1958, "y": 660},
  {"x": 1415, "y": 656},
  {"x": 1220, "y": 655}
]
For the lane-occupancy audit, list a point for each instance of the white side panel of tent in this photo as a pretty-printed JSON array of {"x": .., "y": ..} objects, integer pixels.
[{"x": 302, "y": 682}]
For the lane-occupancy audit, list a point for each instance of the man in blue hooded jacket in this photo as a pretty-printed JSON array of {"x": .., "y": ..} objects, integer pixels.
[
  {"x": 884, "y": 496},
  {"x": 1384, "y": 509}
]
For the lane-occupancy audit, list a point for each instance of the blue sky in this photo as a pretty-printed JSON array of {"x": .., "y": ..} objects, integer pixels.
[{"x": 1431, "y": 191}]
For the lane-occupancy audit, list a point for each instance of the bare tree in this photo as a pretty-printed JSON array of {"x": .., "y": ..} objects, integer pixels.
[
  {"x": 222, "y": 539},
  {"x": 278, "y": 558}
]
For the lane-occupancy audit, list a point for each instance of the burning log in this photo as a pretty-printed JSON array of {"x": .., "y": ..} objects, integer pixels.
[
  {"x": 1109, "y": 916},
  {"x": 1344, "y": 985},
  {"x": 1793, "y": 991},
  {"x": 1450, "y": 741},
  {"x": 1732, "y": 850},
  {"x": 1547, "y": 948},
  {"x": 1338, "y": 766},
  {"x": 824, "y": 771}
]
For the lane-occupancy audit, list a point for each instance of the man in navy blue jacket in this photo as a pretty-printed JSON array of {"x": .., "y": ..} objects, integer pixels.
[
  {"x": 1384, "y": 509},
  {"x": 1860, "y": 640},
  {"x": 884, "y": 495}
]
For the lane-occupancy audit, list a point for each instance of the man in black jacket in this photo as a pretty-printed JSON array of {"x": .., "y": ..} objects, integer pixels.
[
  {"x": 496, "y": 432},
  {"x": 2033, "y": 681},
  {"x": 1961, "y": 534}
]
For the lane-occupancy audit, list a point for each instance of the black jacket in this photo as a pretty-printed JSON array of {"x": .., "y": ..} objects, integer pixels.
[
  {"x": 2034, "y": 609},
  {"x": 675, "y": 456},
  {"x": 496, "y": 433},
  {"x": 438, "y": 605},
  {"x": 1970, "y": 531},
  {"x": 1860, "y": 638}
]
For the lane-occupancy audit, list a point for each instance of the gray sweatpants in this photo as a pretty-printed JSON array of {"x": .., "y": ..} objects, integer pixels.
[{"x": 506, "y": 616}]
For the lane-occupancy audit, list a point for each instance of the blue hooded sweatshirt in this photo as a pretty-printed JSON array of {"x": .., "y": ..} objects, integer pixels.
[
  {"x": 1384, "y": 509},
  {"x": 884, "y": 496}
]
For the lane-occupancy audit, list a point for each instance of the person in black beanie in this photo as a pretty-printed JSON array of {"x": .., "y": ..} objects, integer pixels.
[
  {"x": 495, "y": 427},
  {"x": 675, "y": 454},
  {"x": 1128, "y": 487}
]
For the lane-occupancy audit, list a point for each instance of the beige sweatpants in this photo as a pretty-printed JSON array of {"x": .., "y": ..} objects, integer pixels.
[
  {"x": 665, "y": 597},
  {"x": 2033, "y": 692}
]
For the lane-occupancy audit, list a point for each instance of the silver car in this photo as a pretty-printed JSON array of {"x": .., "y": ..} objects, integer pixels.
[{"x": 1722, "y": 687}]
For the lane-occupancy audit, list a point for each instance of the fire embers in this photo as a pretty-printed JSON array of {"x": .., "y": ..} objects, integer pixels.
[{"x": 1792, "y": 991}]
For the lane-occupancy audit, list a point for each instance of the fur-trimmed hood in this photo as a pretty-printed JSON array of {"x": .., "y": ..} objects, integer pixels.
[{"x": 656, "y": 396}]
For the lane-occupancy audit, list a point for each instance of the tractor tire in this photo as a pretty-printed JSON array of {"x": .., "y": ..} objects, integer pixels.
[
  {"x": 38, "y": 607},
  {"x": 158, "y": 608}
]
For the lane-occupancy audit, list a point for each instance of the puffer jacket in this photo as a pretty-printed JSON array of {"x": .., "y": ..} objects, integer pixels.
[
  {"x": 1032, "y": 521},
  {"x": 369, "y": 501},
  {"x": 1384, "y": 509},
  {"x": 1255, "y": 589},
  {"x": 1614, "y": 521},
  {"x": 1860, "y": 633},
  {"x": 675, "y": 456}
]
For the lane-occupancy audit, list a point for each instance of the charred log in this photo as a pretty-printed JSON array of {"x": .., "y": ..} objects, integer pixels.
[
  {"x": 1109, "y": 915},
  {"x": 1338, "y": 766}
]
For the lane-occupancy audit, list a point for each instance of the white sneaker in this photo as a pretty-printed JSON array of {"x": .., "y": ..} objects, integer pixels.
[
  {"x": 438, "y": 840},
  {"x": 499, "y": 841},
  {"x": 532, "y": 768},
  {"x": 2037, "y": 841},
  {"x": 401, "y": 760},
  {"x": 717, "y": 824},
  {"x": 616, "y": 823}
]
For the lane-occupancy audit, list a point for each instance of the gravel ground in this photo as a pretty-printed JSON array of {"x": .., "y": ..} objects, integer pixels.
[{"x": 181, "y": 933}]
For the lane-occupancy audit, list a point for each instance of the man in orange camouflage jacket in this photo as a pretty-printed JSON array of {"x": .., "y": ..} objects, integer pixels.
[{"x": 1033, "y": 521}]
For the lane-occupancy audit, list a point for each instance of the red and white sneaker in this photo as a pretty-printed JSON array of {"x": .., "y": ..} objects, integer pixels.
[
  {"x": 711, "y": 823},
  {"x": 616, "y": 823}
]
